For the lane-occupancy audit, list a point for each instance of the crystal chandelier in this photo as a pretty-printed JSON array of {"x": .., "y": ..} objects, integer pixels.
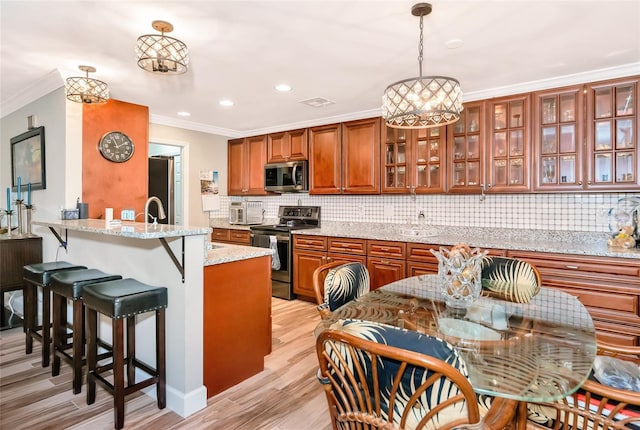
[
  {"x": 160, "y": 53},
  {"x": 85, "y": 89},
  {"x": 425, "y": 101}
]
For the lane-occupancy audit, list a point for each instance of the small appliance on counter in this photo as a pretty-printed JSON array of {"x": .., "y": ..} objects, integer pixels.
[{"x": 246, "y": 212}]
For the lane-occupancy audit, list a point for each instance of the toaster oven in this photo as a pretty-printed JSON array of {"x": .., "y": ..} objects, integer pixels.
[{"x": 246, "y": 212}]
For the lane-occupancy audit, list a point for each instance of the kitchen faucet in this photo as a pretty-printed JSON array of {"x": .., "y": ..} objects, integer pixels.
[{"x": 161, "y": 213}]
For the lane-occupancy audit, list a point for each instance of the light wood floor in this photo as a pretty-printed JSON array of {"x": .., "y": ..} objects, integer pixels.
[{"x": 285, "y": 396}]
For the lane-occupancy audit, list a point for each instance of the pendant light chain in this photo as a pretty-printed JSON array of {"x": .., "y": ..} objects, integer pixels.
[{"x": 420, "y": 47}]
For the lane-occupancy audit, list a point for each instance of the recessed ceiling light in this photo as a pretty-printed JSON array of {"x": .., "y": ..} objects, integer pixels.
[
  {"x": 283, "y": 88},
  {"x": 454, "y": 43},
  {"x": 183, "y": 113},
  {"x": 226, "y": 102}
]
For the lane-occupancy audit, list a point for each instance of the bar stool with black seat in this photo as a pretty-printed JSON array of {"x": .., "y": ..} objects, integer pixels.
[
  {"x": 39, "y": 275},
  {"x": 120, "y": 300},
  {"x": 69, "y": 285}
]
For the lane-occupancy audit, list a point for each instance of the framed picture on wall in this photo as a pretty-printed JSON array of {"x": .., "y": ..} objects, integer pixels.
[{"x": 27, "y": 160}]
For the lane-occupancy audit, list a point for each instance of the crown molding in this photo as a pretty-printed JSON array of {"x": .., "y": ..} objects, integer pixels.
[
  {"x": 194, "y": 126},
  {"x": 555, "y": 82},
  {"x": 43, "y": 86}
]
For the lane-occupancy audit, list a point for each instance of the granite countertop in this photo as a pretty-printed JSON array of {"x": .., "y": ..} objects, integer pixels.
[
  {"x": 136, "y": 230},
  {"x": 219, "y": 253},
  {"x": 562, "y": 242}
]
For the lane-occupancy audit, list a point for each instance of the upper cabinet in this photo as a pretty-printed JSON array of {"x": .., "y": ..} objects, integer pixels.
[
  {"x": 558, "y": 123},
  {"x": 508, "y": 149},
  {"x": 246, "y": 160},
  {"x": 612, "y": 135},
  {"x": 585, "y": 137},
  {"x": 287, "y": 146},
  {"x": 413, "y": 160},
  {"x": 345, "y": 158},
  {"x": 466, "y": 150}
]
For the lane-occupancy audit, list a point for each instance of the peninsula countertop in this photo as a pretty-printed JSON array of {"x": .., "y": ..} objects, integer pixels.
[
  {"x": 135, "y": 230},
  {"x": 219, "y": 253}
]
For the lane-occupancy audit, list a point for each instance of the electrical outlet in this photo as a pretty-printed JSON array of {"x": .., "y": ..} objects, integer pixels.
[{"x": 388, "y": 211}]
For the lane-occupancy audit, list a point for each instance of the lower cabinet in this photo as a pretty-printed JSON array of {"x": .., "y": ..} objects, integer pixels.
[
  {"x": 230, "y": 235},
  {"x": 608, "y": 287},
  {"x": 237, "y": 321}
]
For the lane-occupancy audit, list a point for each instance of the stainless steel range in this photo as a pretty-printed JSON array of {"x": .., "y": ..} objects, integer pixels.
[{"x": 278, "y": 237}]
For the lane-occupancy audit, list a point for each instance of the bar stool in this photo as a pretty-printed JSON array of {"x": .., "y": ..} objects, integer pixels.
[
  {"x": 119, "y": 300},
  {"x": 69, "y": 285},
  {"x": 39, "y": 275}
]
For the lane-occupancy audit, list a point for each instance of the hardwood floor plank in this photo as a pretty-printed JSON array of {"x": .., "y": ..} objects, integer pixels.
[{"x": 285, "y": 396}]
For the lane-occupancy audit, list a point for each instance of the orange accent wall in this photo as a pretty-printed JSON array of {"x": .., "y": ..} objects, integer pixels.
[{"x": 106, "y": 184}]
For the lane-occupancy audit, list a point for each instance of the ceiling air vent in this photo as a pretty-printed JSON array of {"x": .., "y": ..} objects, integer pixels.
[{"x": 317, "y": 102}]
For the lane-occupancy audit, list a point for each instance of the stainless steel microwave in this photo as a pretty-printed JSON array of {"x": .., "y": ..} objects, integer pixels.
[{"x": 289, "y": 177}]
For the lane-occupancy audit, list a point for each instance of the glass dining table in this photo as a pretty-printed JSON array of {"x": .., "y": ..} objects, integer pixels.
[{"x": 528, "y": 352}]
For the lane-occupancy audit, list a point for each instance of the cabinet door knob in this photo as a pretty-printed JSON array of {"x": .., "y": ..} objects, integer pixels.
[{"x": 570, "y": 266}]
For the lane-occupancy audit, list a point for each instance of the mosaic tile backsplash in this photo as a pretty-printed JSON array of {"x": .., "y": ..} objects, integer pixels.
[{"x": 569, "y": 211}]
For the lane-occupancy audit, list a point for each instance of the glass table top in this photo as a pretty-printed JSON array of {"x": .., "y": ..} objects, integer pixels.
[{"x": 537, "y": 351}]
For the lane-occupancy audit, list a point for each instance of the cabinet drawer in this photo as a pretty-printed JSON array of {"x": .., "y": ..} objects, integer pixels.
[
  {"x": 317, "y": 243},
  {"x": 420, "y": 268},
  {"x": 422, "y": 252},
  {"x": 602, "y": 299},
  {"x": 386, "y": 249},
  {"x": 577, "y": 263},
  {"x": 347, "y": 245},
  {"x": 240, "y": 236},
  {"x": 220, "y": 234}
]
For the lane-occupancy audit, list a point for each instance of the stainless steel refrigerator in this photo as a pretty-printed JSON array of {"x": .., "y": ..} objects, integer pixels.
[{"x": 161, "y": 185}]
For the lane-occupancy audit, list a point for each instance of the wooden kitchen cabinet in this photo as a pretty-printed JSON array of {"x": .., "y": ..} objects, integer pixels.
[
  {"x": 236, "y": 321},
  {"x": 346, "y": 250},
  {"x": 558, "y": 149},
  {"x": 607, "y": 286},
  {"x": 508, "y": 146},
  {"x": 613, "y": 146},
  {"x": 227, "y": 235},
  {"x": 246, "y": 160},
  {"x": 385, "y": 262},
  {"x": 345, "y": 158},
  {"x": 466, "y": 154},
  {"x": 413, "y": 160},
  {"x": 15, "y": 253},
  {"x": 287, "y": 146},
  {"x": 309, "y": 253}
]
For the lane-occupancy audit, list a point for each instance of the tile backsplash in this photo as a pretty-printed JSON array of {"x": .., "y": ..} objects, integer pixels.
[{"x": 568, "y": 211}]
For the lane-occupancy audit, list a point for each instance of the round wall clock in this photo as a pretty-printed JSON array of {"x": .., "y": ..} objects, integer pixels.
[{"x": 116, "y": 146}]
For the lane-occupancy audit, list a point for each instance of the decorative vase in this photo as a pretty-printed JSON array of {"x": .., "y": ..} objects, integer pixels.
[{"x": 459, "y": 273}]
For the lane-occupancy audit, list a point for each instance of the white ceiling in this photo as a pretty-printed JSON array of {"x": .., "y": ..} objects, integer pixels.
[{"x": 345, "y": 51}]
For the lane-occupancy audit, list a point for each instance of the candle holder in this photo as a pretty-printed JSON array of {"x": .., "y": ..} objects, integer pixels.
[
  {"x": 9, "y": 213},
  {"x": 28, "y": 208},
  {"x": 19, "y": 210}
]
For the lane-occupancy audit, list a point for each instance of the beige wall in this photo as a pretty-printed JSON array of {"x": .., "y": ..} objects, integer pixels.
[{"x": 200, "y": 151}]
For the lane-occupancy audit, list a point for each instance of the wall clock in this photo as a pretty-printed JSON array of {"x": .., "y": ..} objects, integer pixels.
[{"x": 116, "y": 146}]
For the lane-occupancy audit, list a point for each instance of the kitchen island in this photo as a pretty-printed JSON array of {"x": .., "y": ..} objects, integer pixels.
[{"x": 162, "y": 255}]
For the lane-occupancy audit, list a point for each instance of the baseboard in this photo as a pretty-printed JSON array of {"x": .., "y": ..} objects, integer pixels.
[{"x": 183, "y": 404}]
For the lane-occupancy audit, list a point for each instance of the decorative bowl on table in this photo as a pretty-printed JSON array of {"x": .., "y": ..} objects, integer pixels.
[{"x": 459, "y": 273}]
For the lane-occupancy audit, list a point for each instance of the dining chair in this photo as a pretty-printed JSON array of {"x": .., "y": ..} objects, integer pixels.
[
  {"x": 377, "y": 376},
  {"x": 595, "y": 405},
  {"x": 337, "y": 283},
  {"x": 510, "y": 279}
]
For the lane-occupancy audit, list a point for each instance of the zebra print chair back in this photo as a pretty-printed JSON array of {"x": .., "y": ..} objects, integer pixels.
[
  {"x": 377, "y": 376},
  {"x": 343, "y": 282}
]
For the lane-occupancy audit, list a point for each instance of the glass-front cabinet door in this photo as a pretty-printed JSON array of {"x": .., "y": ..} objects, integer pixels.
[
  {"x": 612, "y": 135},
  {"x": 557, "y": 139},
  {"x": 395, "y": 156},
  {"x": 508, "y": 157},
  {"x": 465, "y": 143},
  {"x": 429, "y": 146}
]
